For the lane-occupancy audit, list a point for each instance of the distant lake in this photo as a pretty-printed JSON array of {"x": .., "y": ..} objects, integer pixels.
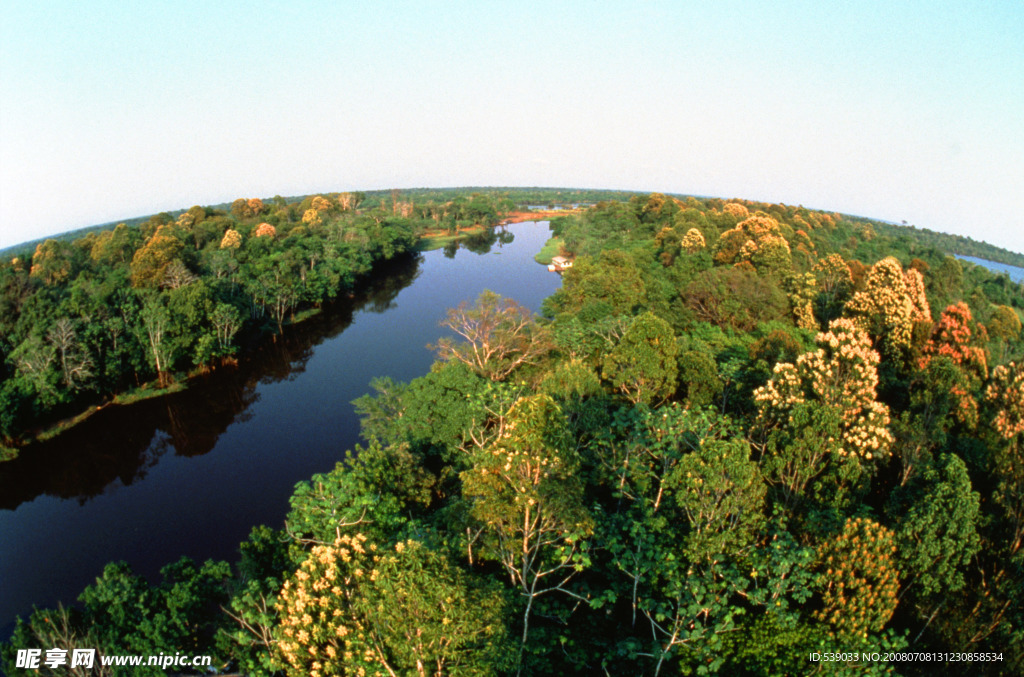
[
  {"x": 1016, "y": 274},
  {"x": 190, "y": 473}
]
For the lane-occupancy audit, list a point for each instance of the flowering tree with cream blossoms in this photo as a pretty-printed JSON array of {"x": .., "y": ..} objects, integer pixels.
[
  {"x": 354, "y": 609},
  {"x": 319, "y": 632},
  {"x": 693, "y": 241},
  {"x": 232, "y": 239},
  {"x": 841, "y": 375},
  {"x": 891, "y": 302},
  {"x": 1006, "y": 393}
]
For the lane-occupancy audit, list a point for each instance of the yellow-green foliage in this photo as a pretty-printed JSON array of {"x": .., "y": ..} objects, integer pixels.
[{"x": 858, "y": 580}]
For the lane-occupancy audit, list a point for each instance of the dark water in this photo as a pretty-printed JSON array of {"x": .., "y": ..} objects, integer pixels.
[
  {"x": 1016, "y": 274},
  {"x": 191, "y": 473}
]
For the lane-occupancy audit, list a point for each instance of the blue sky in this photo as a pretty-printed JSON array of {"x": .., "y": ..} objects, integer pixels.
[{"x": 895, "y": 110}]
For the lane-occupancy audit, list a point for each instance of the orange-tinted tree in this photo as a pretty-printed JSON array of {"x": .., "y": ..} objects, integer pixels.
[
  {"x": 956, "y": 336},
  {"x": 150, "y": 263},
  {"x": 52, "y": 261},
  {"x": 255, "y": 206},
  {"x": 265, "y": 230},
  {"x": 311, "y": 217}
]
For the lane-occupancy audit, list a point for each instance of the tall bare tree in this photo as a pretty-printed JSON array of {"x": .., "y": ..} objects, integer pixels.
[
  {"x": 75, "y": 363},
  {"x": 500, "y": 336}
]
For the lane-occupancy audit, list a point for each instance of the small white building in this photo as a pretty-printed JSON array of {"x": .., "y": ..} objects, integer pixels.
[{"x": 559, "y": 263}]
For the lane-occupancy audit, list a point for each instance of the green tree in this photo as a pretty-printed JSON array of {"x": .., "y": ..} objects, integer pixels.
[
  {"x": 226, "y": 320},
  {"x": 699, "y": 381},
  {"x": 449, "y": 410},
  {"x": 720, "y": 490},
  {"x": 935, "y": 398},
  {"x": 159, "y": 334},
  {"x": 643, "y": 365},
  {"x": 937, "y": 536},
  {"x": 373, "y": 491},
  {"x": 1004, "y": 328},
  {"x": 73, "y": 358},
  {"x": 429, "y": 617},
  {"x": 734, "y": 297},
  {"x": 612, "y": 279},
  {"x": 797, "y": 455},
  {"x": 835, "y": 283},
  {"x": 651, "y": 461},
  {"x": 34, "y": 360},
  {"x": 571, "y": 380},
  {"x": 524, "y": 493},
  {"x": 181, "y": 613},
  {"x": 262, "y": 568}
]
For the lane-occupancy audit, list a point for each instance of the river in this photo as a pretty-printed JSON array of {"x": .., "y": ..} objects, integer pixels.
[{"x": 190, "y": 473}]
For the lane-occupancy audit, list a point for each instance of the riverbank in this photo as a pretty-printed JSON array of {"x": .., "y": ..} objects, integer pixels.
[
  {"x": 551, "y": 249},
  {"x": 542, "y": 215},
  {"x": 146, "y": 391}
]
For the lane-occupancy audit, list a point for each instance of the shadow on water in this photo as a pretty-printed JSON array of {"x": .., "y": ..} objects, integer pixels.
[{"x": 123, "y": 442}]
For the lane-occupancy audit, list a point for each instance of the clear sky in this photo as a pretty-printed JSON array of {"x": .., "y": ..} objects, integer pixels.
[{"x": 899, "y": 110}]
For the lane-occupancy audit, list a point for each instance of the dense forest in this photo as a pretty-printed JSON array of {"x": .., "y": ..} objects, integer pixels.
[{"x": 740, "y": 433}]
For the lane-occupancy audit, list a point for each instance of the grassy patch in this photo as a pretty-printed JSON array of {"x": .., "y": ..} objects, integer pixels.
[
  {"x": 66, "y": 424},
  {"x": 305, "y": 315},
  {"x": 148, "y": 391},
  {"x": 145, "y": 392},
  {"x": 549, "y": 250}
]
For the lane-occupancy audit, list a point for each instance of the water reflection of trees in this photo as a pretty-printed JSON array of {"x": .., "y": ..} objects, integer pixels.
[
  {"x": 121, "y": 443},
  {"x": 480, "y": 243}
]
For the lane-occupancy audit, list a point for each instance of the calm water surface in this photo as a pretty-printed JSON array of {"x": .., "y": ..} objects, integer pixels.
[
  {"x": 1016, "y": 274},
  {"x": 191, "y": 473}
]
